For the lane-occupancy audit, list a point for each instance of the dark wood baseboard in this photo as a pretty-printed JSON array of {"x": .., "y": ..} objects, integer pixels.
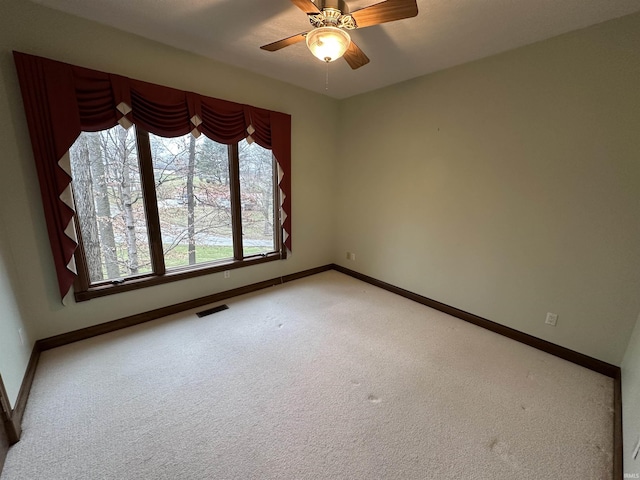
[
  {"x": 25, "y": 388},
  {"x": 4, "y": 447},
  {"x": 12, "y": 419},
  {"x": 562, "y": 352},
  {"x": 84, "y": 333},
  {"x": 572, "y": 356},
  {"x": 8, "y": 419},
  {"x": 5, "y": 404},
  {"x": 618, "y": 452},
  {"x": 10, "y": 432},
  {"x": 5, "y": 418},
  {"x": 9, "y": 426}
]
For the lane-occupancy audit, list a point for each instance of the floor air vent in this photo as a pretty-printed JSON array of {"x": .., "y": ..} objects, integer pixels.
[{"x": 217, "y": 309}]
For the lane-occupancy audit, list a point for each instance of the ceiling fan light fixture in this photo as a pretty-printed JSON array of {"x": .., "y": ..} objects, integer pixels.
[{"x": 328, "y": 43}]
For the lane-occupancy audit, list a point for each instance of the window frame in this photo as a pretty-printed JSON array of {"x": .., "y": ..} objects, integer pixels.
[{"x": 84, "y": 290}]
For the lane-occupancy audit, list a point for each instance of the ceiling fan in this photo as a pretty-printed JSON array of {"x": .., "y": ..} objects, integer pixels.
[{"x": 330, "y": 19}]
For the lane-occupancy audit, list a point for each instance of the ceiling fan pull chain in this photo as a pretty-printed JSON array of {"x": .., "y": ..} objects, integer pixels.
[{"x": 326, "y": 81}]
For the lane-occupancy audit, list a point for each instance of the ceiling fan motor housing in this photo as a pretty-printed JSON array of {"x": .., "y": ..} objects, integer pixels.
[
  {"x": 335, "y": 4},
  {"x": 335, "y": 13}
]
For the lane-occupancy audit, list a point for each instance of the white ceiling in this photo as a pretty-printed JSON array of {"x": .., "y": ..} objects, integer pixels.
[{"x": 445, "y": 33}]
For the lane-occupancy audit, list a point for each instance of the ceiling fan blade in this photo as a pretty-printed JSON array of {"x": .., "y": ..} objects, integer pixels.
[
  {"x": 383, "y": 12},
  {"x": 355, "y": 57},
  {"x": 307, "y": 6},
  {"x": 285, "y": 42}
]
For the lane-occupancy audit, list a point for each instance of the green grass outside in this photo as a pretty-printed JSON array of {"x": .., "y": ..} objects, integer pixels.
[{"x": 179, "y": 256}]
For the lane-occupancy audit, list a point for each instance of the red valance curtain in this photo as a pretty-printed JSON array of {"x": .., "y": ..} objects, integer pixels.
[{"x": 62, "y": 100}]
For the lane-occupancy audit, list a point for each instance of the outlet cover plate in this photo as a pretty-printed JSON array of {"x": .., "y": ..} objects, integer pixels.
[{"x": 552, "y": 319}]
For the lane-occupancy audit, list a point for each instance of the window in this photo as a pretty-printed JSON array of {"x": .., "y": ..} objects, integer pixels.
[
  {"x": 151, "y": 209},
  {"x": 62, "y": 100}
]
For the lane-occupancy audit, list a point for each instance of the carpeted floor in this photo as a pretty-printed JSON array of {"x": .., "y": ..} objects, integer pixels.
[{"x": 322, "y": 378}]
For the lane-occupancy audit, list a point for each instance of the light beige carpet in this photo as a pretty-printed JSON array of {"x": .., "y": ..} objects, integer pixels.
[{"x": 322, "y": 378}]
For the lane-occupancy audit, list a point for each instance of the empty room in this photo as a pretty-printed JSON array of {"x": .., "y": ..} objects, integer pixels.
[{"x": 319, "y": 239}]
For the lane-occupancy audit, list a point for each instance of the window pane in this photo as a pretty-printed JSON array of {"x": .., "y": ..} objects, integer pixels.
[
  {"x": 256, "y": 193},
  {"x": 109, "y": 205},
  {"x": 194, "y": 199}
]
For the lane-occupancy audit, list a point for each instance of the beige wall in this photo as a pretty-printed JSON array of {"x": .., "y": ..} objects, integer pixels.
[
  {"x": 631, "y": 401},
  {"x": 508, "y": 187},
  {"x": 14, "y": 352},
  {"x": 33, "y": 29}
]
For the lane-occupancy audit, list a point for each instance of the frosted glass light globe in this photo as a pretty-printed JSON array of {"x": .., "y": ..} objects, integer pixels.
[{"x": 328, "y": 43}]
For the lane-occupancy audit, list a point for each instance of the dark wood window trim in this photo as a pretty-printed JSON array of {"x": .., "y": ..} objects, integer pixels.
[
  {"x": 84, "y": 290},
  {"x": 150, "y": 201},
  {"x": 144, "y": 281},
  {"x": 236, "y": 210}
]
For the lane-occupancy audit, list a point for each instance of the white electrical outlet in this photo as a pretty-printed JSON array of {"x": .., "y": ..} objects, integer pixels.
[
  {"x": 227, "y": 274},
  {"x": 552, "y": 319},
  {"x": 353, "y": 256}
]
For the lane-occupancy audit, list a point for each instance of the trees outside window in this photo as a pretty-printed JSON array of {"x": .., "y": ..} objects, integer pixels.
[
  {"x": 257, "y": 180},
  {"x": 151, "y": 209},
  {"x": 110, "y": 205}
]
